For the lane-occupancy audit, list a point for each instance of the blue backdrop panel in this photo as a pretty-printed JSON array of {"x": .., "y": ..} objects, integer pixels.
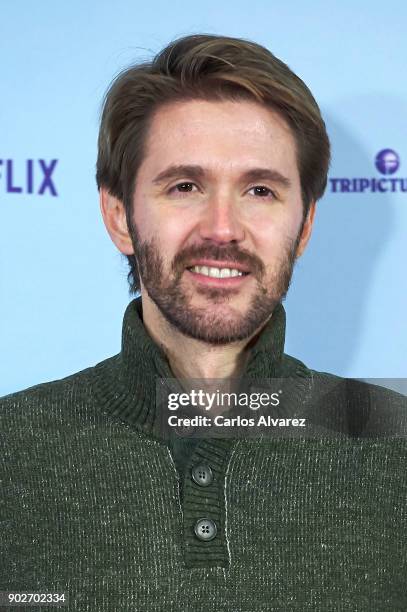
[{"x": 63, "y": 285}]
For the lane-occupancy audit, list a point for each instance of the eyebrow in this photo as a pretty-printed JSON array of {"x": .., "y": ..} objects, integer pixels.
[{"x": 198, "y": 172}]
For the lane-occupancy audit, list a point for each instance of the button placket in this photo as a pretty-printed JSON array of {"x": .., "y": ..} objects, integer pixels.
[
  {"x": 205, "y": 529},
  {"x": 204, "y": 504}
]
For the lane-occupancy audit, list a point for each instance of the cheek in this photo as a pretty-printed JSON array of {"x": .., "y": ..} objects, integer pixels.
[
  {"x": 271, "y": 233},
  {"x": 172, "y": 234},
  {"x": 169, "y": 231},
  {"x": 142, "y": 217}
]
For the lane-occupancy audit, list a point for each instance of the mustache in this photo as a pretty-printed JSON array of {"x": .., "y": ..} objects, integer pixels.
[{"x": 230, "y": 253}]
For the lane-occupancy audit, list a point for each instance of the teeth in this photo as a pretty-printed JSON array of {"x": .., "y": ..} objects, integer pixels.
[{"x": 217, "y": 272}]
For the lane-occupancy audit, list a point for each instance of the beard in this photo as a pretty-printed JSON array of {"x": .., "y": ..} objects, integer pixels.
[{"x": 221, "y": 324}]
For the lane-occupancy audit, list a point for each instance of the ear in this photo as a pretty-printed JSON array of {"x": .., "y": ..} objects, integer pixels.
[
  {"x": 306, "y": 230},
  {"x": 114, "y": 217}
]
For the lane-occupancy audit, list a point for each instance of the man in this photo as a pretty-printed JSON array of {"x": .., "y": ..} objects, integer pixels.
[{"x": 211, "y": 160}]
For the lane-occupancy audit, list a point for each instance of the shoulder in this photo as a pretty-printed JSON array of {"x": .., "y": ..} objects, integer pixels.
[
  {"x": 51, "y": 403},
  {"x": 380, "y": 389},
  {"x": 361, "y": 408}
]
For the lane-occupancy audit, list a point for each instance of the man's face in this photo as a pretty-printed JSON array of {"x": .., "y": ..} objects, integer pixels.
[{"x": 217, "y": 216}]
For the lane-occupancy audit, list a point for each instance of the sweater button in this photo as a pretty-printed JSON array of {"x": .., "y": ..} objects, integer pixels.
[
  {"x": 205, "y": 529},
  {"x": 183, "y": 431},
  {"x": 202, "y": 475}
]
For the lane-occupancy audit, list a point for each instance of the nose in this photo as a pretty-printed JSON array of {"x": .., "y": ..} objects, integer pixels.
[{"x": 221, "y": 222}]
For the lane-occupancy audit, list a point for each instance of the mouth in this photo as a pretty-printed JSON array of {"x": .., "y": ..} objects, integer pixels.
[{"x": 221, "y": 275}]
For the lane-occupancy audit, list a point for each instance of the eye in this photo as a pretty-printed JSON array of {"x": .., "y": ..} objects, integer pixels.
[
  {"x": 263, "y": 192},
  {"x": 185, "y": 187}
]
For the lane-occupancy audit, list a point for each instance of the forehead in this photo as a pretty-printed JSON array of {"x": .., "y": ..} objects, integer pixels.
[{"x": 219, "y": 135}]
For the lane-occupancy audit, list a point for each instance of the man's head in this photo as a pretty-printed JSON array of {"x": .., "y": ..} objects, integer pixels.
[{"x": 212, "y": 155}]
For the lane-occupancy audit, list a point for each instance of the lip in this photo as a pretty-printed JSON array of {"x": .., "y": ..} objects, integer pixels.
[
  {"x": 210, "y": 263},
  {"x": 210, "y": 281}
]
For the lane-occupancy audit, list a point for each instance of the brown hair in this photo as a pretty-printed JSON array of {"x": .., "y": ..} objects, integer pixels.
[{"x": 206, "y": 67}]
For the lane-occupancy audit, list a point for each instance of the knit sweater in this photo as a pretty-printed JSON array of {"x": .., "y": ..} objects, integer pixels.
[{"x": 99, "y": 505}]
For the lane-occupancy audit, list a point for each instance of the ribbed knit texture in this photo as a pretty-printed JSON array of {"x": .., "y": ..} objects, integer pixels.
[{"x": 92, "y": 502}]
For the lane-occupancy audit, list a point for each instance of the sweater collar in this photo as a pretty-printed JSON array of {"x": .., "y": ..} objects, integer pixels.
[{"x": 125, "y": 385}]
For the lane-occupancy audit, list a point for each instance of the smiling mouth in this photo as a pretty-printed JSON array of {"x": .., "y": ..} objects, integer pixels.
[
  {"x": 214, "y": 272},
  {"x": 217, "y": 277}
]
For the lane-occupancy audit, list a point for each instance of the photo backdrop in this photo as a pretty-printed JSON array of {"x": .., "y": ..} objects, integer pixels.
[{"x": 63, "y": 287}]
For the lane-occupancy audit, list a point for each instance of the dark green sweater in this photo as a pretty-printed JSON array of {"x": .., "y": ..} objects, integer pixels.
[{"x": 93, "y": 505}]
